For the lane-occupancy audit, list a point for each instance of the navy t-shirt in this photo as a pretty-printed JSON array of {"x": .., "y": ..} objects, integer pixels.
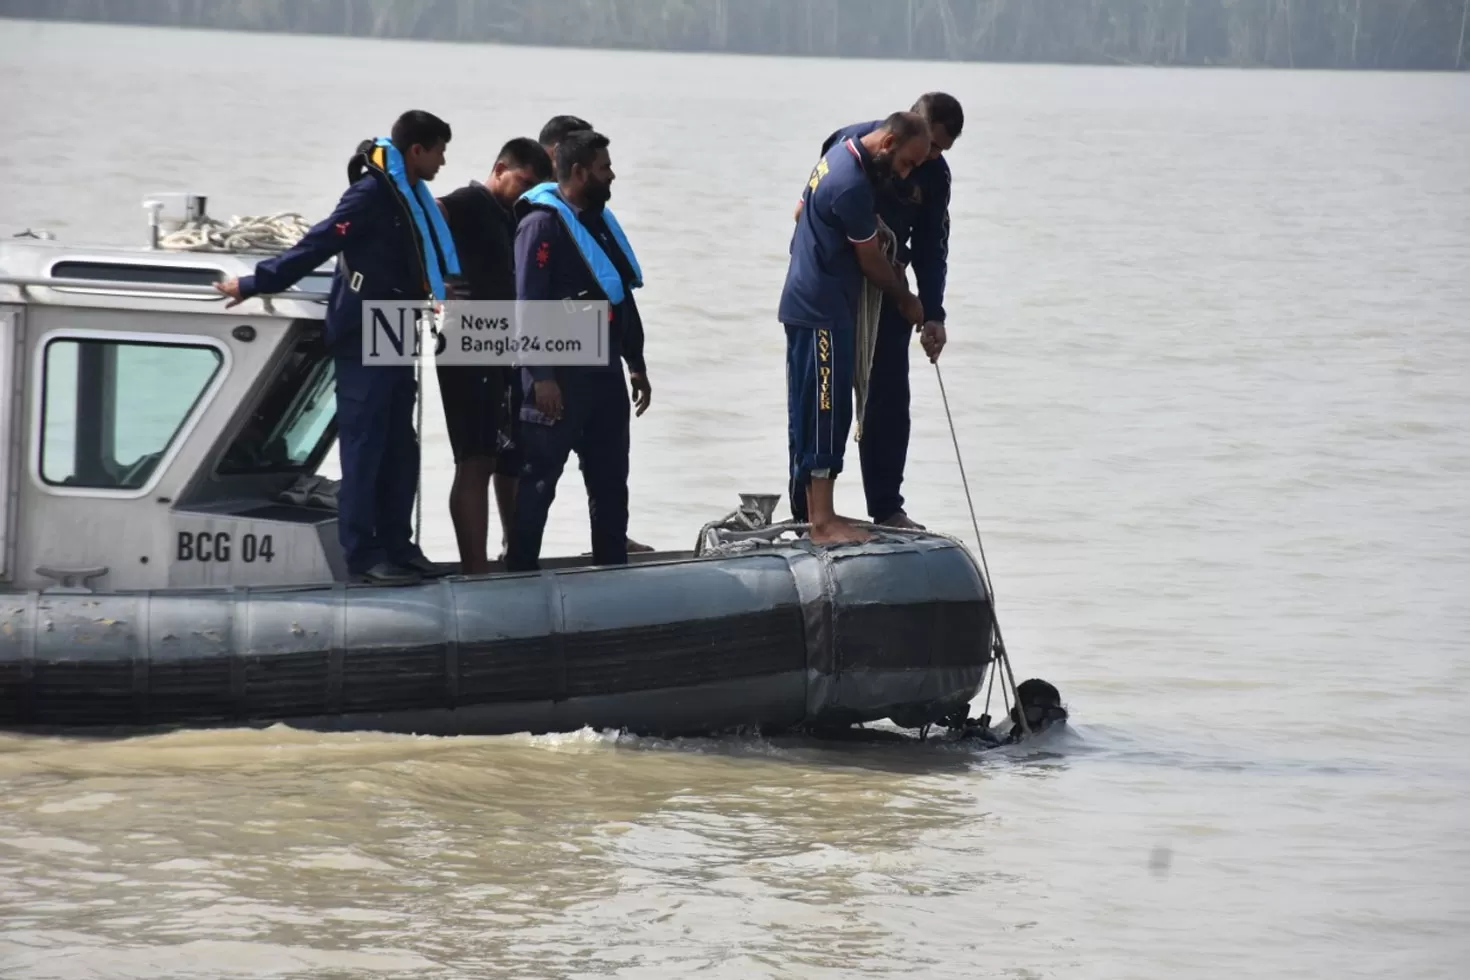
[
  {"x": 916, "y": 208},
  {"x": 839, "y": 210}
]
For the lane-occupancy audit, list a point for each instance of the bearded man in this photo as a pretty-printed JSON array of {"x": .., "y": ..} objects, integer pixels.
[{"x": 570, "y": 246}]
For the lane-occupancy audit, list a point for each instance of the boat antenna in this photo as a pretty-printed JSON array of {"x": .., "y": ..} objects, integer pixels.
[{"x": 1000, "y": 643}]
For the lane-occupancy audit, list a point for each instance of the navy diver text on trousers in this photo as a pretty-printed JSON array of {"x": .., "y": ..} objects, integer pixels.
[
  {"x": 380, "y": 463},
  {"x": 883, "y": 449},
  {"x": 819, "y": 366},
  {"x": 595, "y": 425}
]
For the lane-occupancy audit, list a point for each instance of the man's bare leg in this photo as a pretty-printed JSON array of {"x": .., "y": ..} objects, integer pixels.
[
  {"x": 826, "y": 526},
  {"x": 505, "y": 501},
  {"x": 469, "y": 510}
]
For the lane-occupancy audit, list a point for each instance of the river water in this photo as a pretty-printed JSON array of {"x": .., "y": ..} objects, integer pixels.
[{"x": 1208, "y": 364}]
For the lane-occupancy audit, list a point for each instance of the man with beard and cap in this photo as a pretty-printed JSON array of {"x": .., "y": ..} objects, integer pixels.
[
  {"x": 916, "y": 209},
  {"x": 569, "y": 245},
  {"x": 835, "y": 245}
]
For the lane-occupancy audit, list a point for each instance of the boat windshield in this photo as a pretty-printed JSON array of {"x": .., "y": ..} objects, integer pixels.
[{"x": 295, "y": 421}]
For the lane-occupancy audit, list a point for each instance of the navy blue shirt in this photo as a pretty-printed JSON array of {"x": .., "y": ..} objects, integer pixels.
[
  {"x": 370, "y": 231},
  {"x": 839, "y": 210},
  {"x": 916, "y": 208},
  {"x": 549, "y": 265}
]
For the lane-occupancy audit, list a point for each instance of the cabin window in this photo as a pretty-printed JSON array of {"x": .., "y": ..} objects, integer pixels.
[
  {"x": 295, "y": 421},
  {"x": 111, "y": 409}
]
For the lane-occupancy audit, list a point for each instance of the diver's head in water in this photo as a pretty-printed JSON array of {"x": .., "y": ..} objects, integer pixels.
[
  {"x": 521, "y": 165},
  {"x": 1042, "y": 703},
  {"x": 584, "y": 170},
  {"x": 899, "y": 145},
  {"x": 421, "y": 138}
]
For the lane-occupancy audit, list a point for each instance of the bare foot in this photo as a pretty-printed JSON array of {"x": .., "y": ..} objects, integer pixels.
[
  {"x": 634, "y": 546},
  {"x": 903, "y": 520},
  {"x": 839, "y": 530}
]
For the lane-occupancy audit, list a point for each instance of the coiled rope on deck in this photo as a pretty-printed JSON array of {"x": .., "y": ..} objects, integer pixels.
[{"x": 251, "y": 233}]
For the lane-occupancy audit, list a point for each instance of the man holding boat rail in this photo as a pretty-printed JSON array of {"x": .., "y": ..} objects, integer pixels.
[
  {"x": 834, "y": 247},
  {"x": 916, "y": 209},
  {"x": 383, "y": 254}
]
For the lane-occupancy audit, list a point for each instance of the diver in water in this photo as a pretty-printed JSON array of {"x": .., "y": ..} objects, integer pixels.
[
  {"x": 916, "y": 208},
  {"x": 568, "y": 245},
  {"x": 834, "y": 246},
  {"x": 383, "y": 255}
]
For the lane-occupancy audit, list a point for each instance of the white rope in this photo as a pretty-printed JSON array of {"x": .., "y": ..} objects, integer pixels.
[{"x": 252, "y": 233}]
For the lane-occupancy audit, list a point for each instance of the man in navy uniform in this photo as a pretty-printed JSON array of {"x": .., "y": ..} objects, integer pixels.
[
  {"x": 834, "y": 247},
  {"x": 916, "y": 209},
  {"x": 556, "y": 129},
  {"x": 390, "y": 238},
  {"x": 569, "y": 245}
]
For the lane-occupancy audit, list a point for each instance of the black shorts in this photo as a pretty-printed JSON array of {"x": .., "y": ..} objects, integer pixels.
[{"x": 474, "y": 409}]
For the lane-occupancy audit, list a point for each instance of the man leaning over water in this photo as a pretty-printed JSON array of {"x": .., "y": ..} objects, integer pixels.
[
  {"x": 834, "y": 247},
  {"x": 916, "y": 209},
  {"x": 381, "y": 257}
]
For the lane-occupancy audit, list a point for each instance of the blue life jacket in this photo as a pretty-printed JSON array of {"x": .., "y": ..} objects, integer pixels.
[
  {"x": 384, "y": 156},
  {"x": 546, "y": 196}
]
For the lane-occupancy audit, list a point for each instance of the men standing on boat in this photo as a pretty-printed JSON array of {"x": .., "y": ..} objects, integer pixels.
[
  {"x": 568, "y": 245},
  {"x": 382, "y": 255},
  {"x": 834, "y": 246},
  {"x": 480, "y": 400},
  {"x": 916, "y": 209}
]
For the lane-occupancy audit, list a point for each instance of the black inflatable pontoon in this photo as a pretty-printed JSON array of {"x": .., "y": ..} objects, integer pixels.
[{"x": 777, "y": 637}]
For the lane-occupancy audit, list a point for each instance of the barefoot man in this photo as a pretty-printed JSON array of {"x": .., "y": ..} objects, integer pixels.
[{"x": 835, "y": 245}]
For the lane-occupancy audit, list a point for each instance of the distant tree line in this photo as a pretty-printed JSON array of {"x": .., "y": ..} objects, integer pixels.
[{"x": 1368, "y": 34}]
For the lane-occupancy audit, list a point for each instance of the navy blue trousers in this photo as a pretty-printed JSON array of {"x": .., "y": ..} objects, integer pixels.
[
  {"x": 380, "y": 463},
  {"x": 596, "y": 411},
  {"x": 883, "y": 449},
  {"x": 819, "y": 365}
]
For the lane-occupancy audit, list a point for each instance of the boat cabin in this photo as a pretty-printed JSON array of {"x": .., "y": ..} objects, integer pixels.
[{"x": 154, "y": 439}]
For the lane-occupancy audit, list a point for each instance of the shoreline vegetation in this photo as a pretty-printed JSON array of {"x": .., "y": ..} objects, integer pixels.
[{"x": 1397, "y": 35}]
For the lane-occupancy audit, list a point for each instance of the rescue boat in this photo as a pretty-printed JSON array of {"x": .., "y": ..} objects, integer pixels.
[{"x": 169, "y": 555}]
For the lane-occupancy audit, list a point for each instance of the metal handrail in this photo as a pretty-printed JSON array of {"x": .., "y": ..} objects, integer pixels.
[{"x": 129, "y": 285}]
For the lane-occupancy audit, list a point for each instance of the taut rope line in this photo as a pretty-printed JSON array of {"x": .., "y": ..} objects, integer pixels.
[{"x": 1000, "y": 643}]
